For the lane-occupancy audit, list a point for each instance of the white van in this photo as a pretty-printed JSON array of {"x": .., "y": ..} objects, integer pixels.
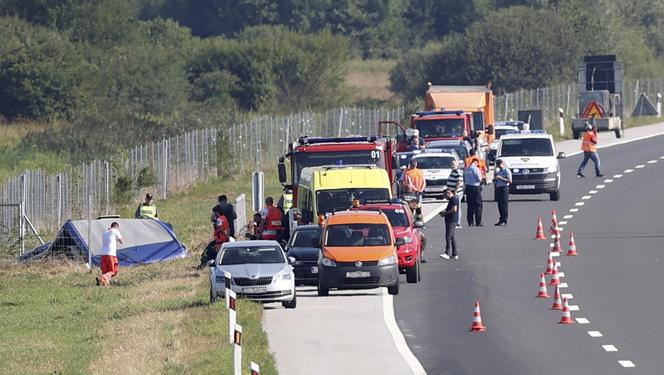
[{"x": 534, "y": 163}]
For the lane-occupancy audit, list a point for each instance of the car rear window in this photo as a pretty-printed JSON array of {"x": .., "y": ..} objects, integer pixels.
[{"x": 305, "y": 238}]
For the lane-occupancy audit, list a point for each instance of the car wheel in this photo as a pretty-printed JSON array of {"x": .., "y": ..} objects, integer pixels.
[
  {"x": 394, "y": 289},
  {"x": 290, "y": 304},
  {"x": 419, "y": 268},
  {"x": 620, "y": 132},
  {"x": 412, "y": 272},
  {"x": 554, "y": 196},
  {"x": 576, "y": 134},
  {"x": 323, "y": 291},
  {"x": 213, "y": 296}
]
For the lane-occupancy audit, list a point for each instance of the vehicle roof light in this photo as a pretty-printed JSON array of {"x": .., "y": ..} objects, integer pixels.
[{"x": 434, "y": 113}]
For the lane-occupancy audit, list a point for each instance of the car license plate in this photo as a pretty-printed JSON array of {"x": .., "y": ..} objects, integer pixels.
[
  {"x": 525, "y": 187},
  {"x": 436, "y": 188},
  {"x": 357, "y": 274},
  {"x": 314, "y": 269},
  {"x": 254, "y": 290}
]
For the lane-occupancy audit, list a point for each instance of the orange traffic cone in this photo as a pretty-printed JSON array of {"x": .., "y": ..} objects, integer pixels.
[
  {"x": 549, "y": 265},
  {"x": 556, "y": 245},
  {"x": 542, "y": 288},
  {"x": 554, "y": 219},
  {"x": 557, "y": 304},
  {"x": 540, "y": 230},
  {"x": 477, "y": 319},
  {"x": 572, "y": 246},
  {"x": 555, "y": 280},
  {"x": 567, "y": 316}
]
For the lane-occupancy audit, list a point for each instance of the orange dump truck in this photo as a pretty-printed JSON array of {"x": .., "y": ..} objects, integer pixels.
[{"x": 478, "y": 100}]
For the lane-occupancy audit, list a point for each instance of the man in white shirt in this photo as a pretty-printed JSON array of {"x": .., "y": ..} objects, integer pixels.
[{"x": 109, "y": 258}]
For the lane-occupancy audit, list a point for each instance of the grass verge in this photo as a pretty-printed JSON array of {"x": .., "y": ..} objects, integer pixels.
[{"x": 157, "y": 320}]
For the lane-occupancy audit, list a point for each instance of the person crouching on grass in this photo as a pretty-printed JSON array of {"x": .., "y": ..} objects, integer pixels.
[{"x": 109, "y": 258}]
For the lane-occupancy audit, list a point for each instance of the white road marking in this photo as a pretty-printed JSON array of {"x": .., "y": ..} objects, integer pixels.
[
  {"x": 562, "y": 223},
  {"x": 558, "y": 264},
  {"x": 609, "y": 348},
  {"x": 617, "y": 175},
  {"x": 579, "y": 204},
  {"x": 551, "y": 245},
  {"x": 629, "y": 170},
  {"x": 568, "y": 216},
  {"x": 567, "y": 295},
  {"x": 626, "y": 363},
  {"x": 600, "y": 186},
  {"x": 595, "y": 334},
  {"x": 592, "y": 192},
  {"x": 640, "y": 166},
  {"x": 586, "y": 197},
  {"x": 562, "y": 285},
  {"x": 573, "y": 308},
  {"x": 561, "y": 274},
  {"x": 397, "y": 336},
  {"x": 573, "y": 210},
  {"x": 608, "y": 181},
  {"x": 582, "y": 321},
  {"x": 651, "y": 161},
  {"x": 556, "y": 254},
  {"x": 661, "y": 157}
]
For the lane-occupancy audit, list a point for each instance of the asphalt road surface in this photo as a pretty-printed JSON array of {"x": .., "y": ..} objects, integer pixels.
[{"x": 615, "y": 282}]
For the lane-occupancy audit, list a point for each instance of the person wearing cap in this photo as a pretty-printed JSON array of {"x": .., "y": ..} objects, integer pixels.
[
  {"x": 147, "y": 210},
  {"x": 502, "y": 179},
  {"x": 589, "y": 148}
]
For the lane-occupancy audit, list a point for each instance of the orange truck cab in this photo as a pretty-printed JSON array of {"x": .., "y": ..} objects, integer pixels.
[{"x": 359, "y": 251}]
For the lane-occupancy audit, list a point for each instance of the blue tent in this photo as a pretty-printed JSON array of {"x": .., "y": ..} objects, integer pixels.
[{"x": 145, "y": 241}]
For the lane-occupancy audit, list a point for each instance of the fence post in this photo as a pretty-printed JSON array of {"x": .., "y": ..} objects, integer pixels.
[
  {"x": 561, "y": 116},
  {"x": 21, "y": 229},
  {"x": 89, "y": 232}
]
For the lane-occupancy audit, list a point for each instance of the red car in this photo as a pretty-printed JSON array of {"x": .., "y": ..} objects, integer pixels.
[{"x": 401, "y": 219}]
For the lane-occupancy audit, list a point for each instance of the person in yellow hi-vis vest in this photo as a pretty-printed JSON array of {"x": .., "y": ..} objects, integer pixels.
[{"x": 147, "y": 210}]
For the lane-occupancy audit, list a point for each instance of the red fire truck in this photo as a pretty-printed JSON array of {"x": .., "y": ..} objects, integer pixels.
[{"x": 313, "y": 152}]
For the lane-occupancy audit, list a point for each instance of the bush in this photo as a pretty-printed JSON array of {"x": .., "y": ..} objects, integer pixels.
[
  {"x": 123, "y": 190},
  {"x": 146, "y": 178}
]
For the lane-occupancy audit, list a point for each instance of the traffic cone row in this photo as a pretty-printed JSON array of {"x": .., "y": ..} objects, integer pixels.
[
  {"x": 549, "y": 265},
  {"x": 555, "y": 230},
  {"x": 567, "y": 316},
  {"x": 556, "y": 245},
  {"x": 555, "y": 279},
  {"x": 539, "y": 235},
  {"x": 557, "y": 304},
  {"x": 542, "y": 288},
  {"x": 572, "y": 246},
  {"x": 477, "y": 319}
]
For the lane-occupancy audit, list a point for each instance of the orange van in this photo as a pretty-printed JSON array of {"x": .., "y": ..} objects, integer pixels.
[{"x": 358, "y": 252}]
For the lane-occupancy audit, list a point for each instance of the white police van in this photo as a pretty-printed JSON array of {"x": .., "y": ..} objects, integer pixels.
[{"x": 532, "y": 158}]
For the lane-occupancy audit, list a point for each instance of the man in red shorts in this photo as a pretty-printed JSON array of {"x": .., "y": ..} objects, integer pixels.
[{"x": 109, "y": 258}]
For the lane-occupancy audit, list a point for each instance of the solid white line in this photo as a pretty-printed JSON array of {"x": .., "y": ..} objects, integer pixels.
[
  {"x": 563, "y": 222},
  {"x": 433, "y": 214},
  {"x": 609, "y": 348},
  {"x": 573, "y": 210},
  {"x": 608, "y": 181},
  {"x": 586, "y": 197},
  {"x": 595, "y": 334},
  {"x": 562, "y": 285},
  {"x": 567, "y": 295},
  {"x": 573, "y": 308},
  {"x": 629, "y": 170},
  {"x": 592, "y": 192},
  {"x": 397, "y": 336},
  {"x": 617, "y": 176},
  {"x": 600, "y": 186},
  {"x": 579, "y": 204},
  {"x": 651, "y": 161},
  {"x": 640, "y": 166},
  {"x": 626, "y": 363},
  {"x": 568, "y": 216},
  {"x": 582, "y": 321}
]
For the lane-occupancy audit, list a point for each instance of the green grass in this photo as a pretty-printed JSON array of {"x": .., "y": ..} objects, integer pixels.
[
  {"x": 370, "y": 81},
  {"x": 157, "y": 320}
]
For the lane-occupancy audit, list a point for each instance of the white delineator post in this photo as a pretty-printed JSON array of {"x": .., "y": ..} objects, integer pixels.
[
  {"x": 227, "y": 285},
  {"x": 659, "y": 104},
  {"x": 232, "y": 318},
  {"x": 561, "y": 115},
  {"x": 237, "y": 353},
  {"x": 255, "y": 369}
]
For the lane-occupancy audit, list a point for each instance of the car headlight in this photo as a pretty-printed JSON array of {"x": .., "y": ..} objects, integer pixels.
[
  {"x": 327, "y": 262},
  {"x": 408, "y": 239},
  {"x": 552, "y": 169},
  {"x": 388, "y": 261},
  {"x": 285, "y": 276}
]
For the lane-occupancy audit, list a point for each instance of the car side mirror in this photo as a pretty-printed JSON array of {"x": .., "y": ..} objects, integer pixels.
[
  {"x": 400, "y": 242},
  {"x": 562, "y": 155},
  {"x": 418, "y": 224},
  {"x": 210, "y": 263},
  {"x": 291, "y": 260}
]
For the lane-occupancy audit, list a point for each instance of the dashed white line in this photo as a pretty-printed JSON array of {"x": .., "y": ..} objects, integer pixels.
[
  {"x": 573, "y": 210},
  {"x": 608, "y": 181},
  {"x": 558, "y": 264},
  {"x": 573, "y": 308},
  {"x": 562, "y": 285},
  {"x": 579, "y": 204},
  {"x": 567, "y": 295},
  {"x": 595, "y": 334},
  {"x": 568, "y": 216},
  {"x": 562, "y": 223},
  {"x": 629, "y": 170},
  {"x": 592, "y": 192},
  {"x": 661, "y": 157},
  {"x": 651, "y": 161},
  {"x": 586, "y": 197},
  {"x": 582, "y": 321},
  {"x": 617, "y": 176},
  {"x": 556, "y": 254},
  {"x": 640, "y": 166},
  {"x": 627, "y": 363},
  {"x": 609, "y": 348},
  {"x": 600, "y": 186},
  {"x": 561, "y": 274}
]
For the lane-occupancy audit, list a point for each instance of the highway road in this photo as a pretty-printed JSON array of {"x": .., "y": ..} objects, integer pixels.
[{"x": 616, "y": 281}]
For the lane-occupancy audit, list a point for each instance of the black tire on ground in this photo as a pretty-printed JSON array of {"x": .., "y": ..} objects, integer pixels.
[
  {"x": 394, "y": 289},
  {"x": 576, "y": 134},
  {"x": 290, "y": 304},
  {"x": 323, "y": 291},
  {"x": 620, "y": 132},
  {"x": 419, "y": 268},
  {"x": 412, "y": 272},
  {"x": 213, "y": 297},
  {"x": 554, "y": 196}
]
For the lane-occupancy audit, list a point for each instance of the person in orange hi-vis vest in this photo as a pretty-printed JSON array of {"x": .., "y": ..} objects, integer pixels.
[
  {"x": 414, "y": 183},
  {"x": 271, "y": 218},
  {"x": 109, "y": 257},
  {"x": 589, "y": 148},
  {"x": 480, "y": 163}
]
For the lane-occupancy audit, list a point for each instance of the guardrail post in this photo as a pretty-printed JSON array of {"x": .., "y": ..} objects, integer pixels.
[{"x": 237, "y": 341}]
